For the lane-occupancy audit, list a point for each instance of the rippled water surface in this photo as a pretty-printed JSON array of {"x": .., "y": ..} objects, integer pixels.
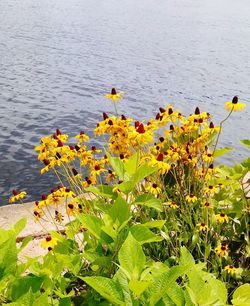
[{"x": 58, "y": 58}]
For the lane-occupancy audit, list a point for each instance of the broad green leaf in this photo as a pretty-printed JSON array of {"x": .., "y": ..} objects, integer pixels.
[
  {"x": 176, "y": 294},
  {"x": 117, "y": 165},
  {"x": 24, "y": 243},
  {"x": 20, "y": 225},
  {"x": 143, "y": 235},
  {"x": 120, "y": 210},
  {"x": 138, "y": 287},
  {"x": 155, "y": 224},
  {"x": 92, "y": 223},
  {"x": 160, "y": 285},
  {"x": 241, "y": 296},
  {"x": 106, "y": 287},
  {"x": 132, "y": 163},
  {"x": 23, "y": 285},
  {"x": 246, "y": 142},
  {"x": 186, "y": 257},
  {"x": 102, "y": 190},
  {"x": 149, "y": 201},
  {"x": 131, "y": 257},
  {"x": 219, "y": 152},
  {"x": 121, "y": 278},
  {"x": 64, "y": 302},
  {"x": 73, "y": 228},
  {"x": 142, "y": 172},
  {"x": 204, "y": 289},
  {"x": 8, "y": 254},
  {"x": 126, "y": 187}
]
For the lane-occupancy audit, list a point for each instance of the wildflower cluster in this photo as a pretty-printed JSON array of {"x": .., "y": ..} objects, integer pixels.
[{"x": 164, "y": 170}]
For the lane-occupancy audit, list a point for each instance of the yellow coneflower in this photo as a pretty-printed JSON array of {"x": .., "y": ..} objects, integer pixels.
[
  {"x": 211, "y": 189},
  {"x": 221, "y": 218},
  {"x": 17, "y": 195},
  {"x": 173, "y": 204},
  {"x": 154, "y": 189},
  {"x": 49, "y": 243},
  {"x": 114, "y": 95},
  {"x": 230, "y": 269},
  {"x": 206, "y": 204},
  {"x": 191, "y": 198},
  {"x": 234, "y": 105},
  {"x": 202, "y": 227},
  {"x": 222, "y": 250}
]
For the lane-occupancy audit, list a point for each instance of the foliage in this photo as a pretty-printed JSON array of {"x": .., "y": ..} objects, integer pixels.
[{"x": 151, "y": 219}]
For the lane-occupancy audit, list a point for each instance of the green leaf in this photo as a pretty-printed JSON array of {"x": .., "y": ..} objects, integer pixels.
[
  {"x": 106, "y": 287},
  {"x": 155, "y": 223},
  {"x": 204, "y": 289},
  {"x": 126, "y": 187},
  {"x": 20, "y": 225},
  {"x": 241, "y": 296},
  {"x": 24, "y": 243},
  {"x": 131, "y": 257},
  {"x": 142, "y": 172},
  {"x": 121, "y": 278},
  {"x": 186, "y": 257},
  {"x": 164, "y": 281},
  {"x": 120, "y": 210},
  {"x": 23, "y": 285},
  {"x": 138, "y": 287},
  {"x": 143, "y": 235},
  {"x": 132, "y": 163},
  {"x": 219, "y": 152},
  {"x": 176, "y": 294},
  {"x": 92, "y": 223},
  {"x": 102, "y": 190},
  {"x": 246, "y": 142},
  {"x": 117, "y": 165},
  {"x": 149, "y": 201}
]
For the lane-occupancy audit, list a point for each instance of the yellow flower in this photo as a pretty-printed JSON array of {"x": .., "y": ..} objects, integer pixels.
[
  {"x": 114, "y": 96},
  {"x": 17, "y": 195},
  {"x": 230, "y": 269},
  {"x": 191, "y": 198},
  {"x": 221, "y": 218},
  {"x": 82, "y": 137},
  {"x": 202, "y": 227},
  {"x": 222, "y": 250},
  {"x": 206, "y": 204},
  {"x": 173, "y": 204},
  {"x": 211, "y": 189},
  {"x": 234, "y": 105},
  {"x": 49, "y": 243},
  {"x": 153, "y": 188}
]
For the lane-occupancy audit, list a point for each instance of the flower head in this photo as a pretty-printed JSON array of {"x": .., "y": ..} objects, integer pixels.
[
  {"x": 222, "y": 250},
  {"x": 234, "y": 105},
  {"x": 221, "y": 218},
  {"x": 191, "y": 198},
  {"x": 202, "y": 227},
  {"x": 17, "y": 195},
  {"x": 114, "y": 96},
  {"x": 49, "y": 243},
  {"x": 230, "y": 269}
]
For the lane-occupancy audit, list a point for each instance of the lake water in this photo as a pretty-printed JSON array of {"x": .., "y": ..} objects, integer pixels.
[{"x": 58, "y": 58}]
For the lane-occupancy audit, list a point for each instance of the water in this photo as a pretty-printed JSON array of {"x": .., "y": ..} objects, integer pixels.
[{"x": 58, "y": 58}]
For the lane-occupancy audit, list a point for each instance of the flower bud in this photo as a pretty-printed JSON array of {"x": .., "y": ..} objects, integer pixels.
[{"x": 197, "y": 111}]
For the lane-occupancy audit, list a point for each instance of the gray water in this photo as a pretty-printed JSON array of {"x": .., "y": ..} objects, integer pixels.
[{"x": 58, "y": 58}]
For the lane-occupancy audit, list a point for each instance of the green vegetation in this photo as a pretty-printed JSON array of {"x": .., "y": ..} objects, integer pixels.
[{"x": 151, "y": 219}]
